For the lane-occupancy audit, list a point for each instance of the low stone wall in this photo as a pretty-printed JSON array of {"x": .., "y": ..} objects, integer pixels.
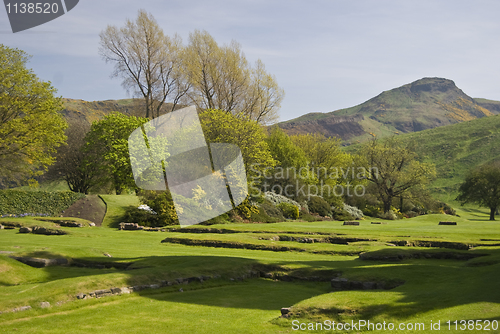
[
  {"x": 41, "y": 263},
  {"x": 341, "y": 284},
  {"x": 41, "y": 230}
]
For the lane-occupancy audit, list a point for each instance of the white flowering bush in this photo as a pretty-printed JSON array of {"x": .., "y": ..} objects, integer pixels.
[
  {"x": 146, "y": 208},
  {"x": 277, "y": 199},
  {"x": 353, "y": 211}
]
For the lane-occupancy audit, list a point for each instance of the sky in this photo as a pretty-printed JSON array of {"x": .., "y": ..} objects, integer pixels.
[{"x": 326, "y": 55}]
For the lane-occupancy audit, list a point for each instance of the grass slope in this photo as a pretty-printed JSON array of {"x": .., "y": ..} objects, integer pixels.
[
  {"x": 455, "y": 149},
  {"x": 423, "y": 104},
  {"x": 434, "y": 290}
]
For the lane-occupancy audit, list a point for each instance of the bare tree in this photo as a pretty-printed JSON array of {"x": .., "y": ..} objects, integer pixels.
[
  {"x": 265, "y": 96},
  {"x": 147, "y": 60},
  {"x": 221, "y": 78}
]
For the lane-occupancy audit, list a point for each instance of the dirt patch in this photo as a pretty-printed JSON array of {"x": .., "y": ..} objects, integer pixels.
[{"x": 90, "y": 208}]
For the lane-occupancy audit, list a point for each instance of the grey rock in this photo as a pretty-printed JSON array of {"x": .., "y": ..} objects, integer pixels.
[
  {"x": 22, "y": 308},
  {"x": 356, "y": 285},
  {"x": 81, "y": 296},
  {"x": 44, "y": 304},
  {"x": 116, "y": 291},
  {"x": 102, "y": 292},
  {"x": 125, "y": 290},
  {"x": 25, "y": 230},
  {"x": 340, "y": 283},
  {"x": 181, "y": 290},
  {"x": 285, "y": 310}
]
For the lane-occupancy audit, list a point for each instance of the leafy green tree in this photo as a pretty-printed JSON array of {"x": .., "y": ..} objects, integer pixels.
[
  {"x": 108, "y": 139},
  {"x": 482, "y": 186},
  {"x": 222, "y": 127},
  {"x": 285, "y": 151},
  {"x": 324, "y": 154},
  {"x": 393, "y": 168},
  {"x": 78, "y": 167},
  {"x": 30, "y": 126}
]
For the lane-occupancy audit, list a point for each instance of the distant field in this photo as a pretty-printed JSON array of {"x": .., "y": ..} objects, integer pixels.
[{"x": 440, "y": 284}]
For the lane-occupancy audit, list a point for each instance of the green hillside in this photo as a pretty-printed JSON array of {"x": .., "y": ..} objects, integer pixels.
[
  {"x": 424, "y": 104},
  {"x": 455, "y": 149},
  {"x": 90, "y": 111}
]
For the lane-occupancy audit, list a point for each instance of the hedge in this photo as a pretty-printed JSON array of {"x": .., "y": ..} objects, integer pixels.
[{"x": 18, "y": 202}]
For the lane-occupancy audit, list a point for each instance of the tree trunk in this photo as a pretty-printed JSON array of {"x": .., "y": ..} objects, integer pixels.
[
  {"x": 492, "y": 213},
  {"x": 387, "y": 205}
]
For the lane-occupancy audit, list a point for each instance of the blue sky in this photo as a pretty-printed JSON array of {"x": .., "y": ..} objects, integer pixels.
[{"x": 326, "y": 55}]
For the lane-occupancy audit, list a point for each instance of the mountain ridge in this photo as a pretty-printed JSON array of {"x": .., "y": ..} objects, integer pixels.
[{"x": 423, "y": 104}]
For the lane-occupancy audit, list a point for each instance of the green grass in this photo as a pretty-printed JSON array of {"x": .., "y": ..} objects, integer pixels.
[
  {"x": 454, "y": 149},
  {"x": 434, "y": 289},
  {"x": 116, "y": 206}
]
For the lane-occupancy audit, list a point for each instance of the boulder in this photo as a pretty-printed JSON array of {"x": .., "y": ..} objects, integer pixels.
[
  {"x": 130, "y": 226},
  {"x": 356, "y": 285},
  {"x": 81, "y": 296},
  {"x": 101, "y": 293},
  {"x": 340, "y": 283},
  {"x": 125, "y": 290},
  {"x": 1, "y": 227},
  {"x": 116, "y": 291},
  {"x": 44, "y": 304},
  {"x": 47, "y": 231},
  {"x": 69, "y": 223},
  {"x": 25, "y": 229},
  {"x": 22, "y": 308},
  {"x": 285, "y": 310}
]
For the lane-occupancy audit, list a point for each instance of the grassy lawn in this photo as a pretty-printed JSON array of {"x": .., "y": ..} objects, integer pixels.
[{"x": 434, "y": 289}]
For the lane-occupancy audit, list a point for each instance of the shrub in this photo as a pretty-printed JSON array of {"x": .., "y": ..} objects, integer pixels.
[
  {"x": 15, "y": 202},
  {"x": 308, "y": 217},
  {"x": 289, "y": 210},
  {"x": 271, "y": 210},
  {"x": 390, "y": 215},
  {"x": 142, "y": 217},
  {"x": 162, "y": 204},
  {"x": 277, "y": 199},
  {"x": 341, "y": 214},
  {"x": 445, "y": 208},
  {"x": 353, "y": 211},
  {"x": 372, "y": 211},
  {"x": 318, "y": 205}
]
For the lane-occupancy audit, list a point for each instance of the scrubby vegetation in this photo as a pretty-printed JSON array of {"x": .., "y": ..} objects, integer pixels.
[{"x": 18, "y": 202}]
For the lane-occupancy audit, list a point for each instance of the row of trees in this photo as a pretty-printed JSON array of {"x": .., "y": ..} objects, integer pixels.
[
  {"x": 31, "y": 129},
  {"x": 160, "y": 69}
]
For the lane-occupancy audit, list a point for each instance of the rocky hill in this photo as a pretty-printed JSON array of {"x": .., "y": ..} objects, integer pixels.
[
  {"x": 85, "y": 111},
  {"x": 424, "y": 104}
]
